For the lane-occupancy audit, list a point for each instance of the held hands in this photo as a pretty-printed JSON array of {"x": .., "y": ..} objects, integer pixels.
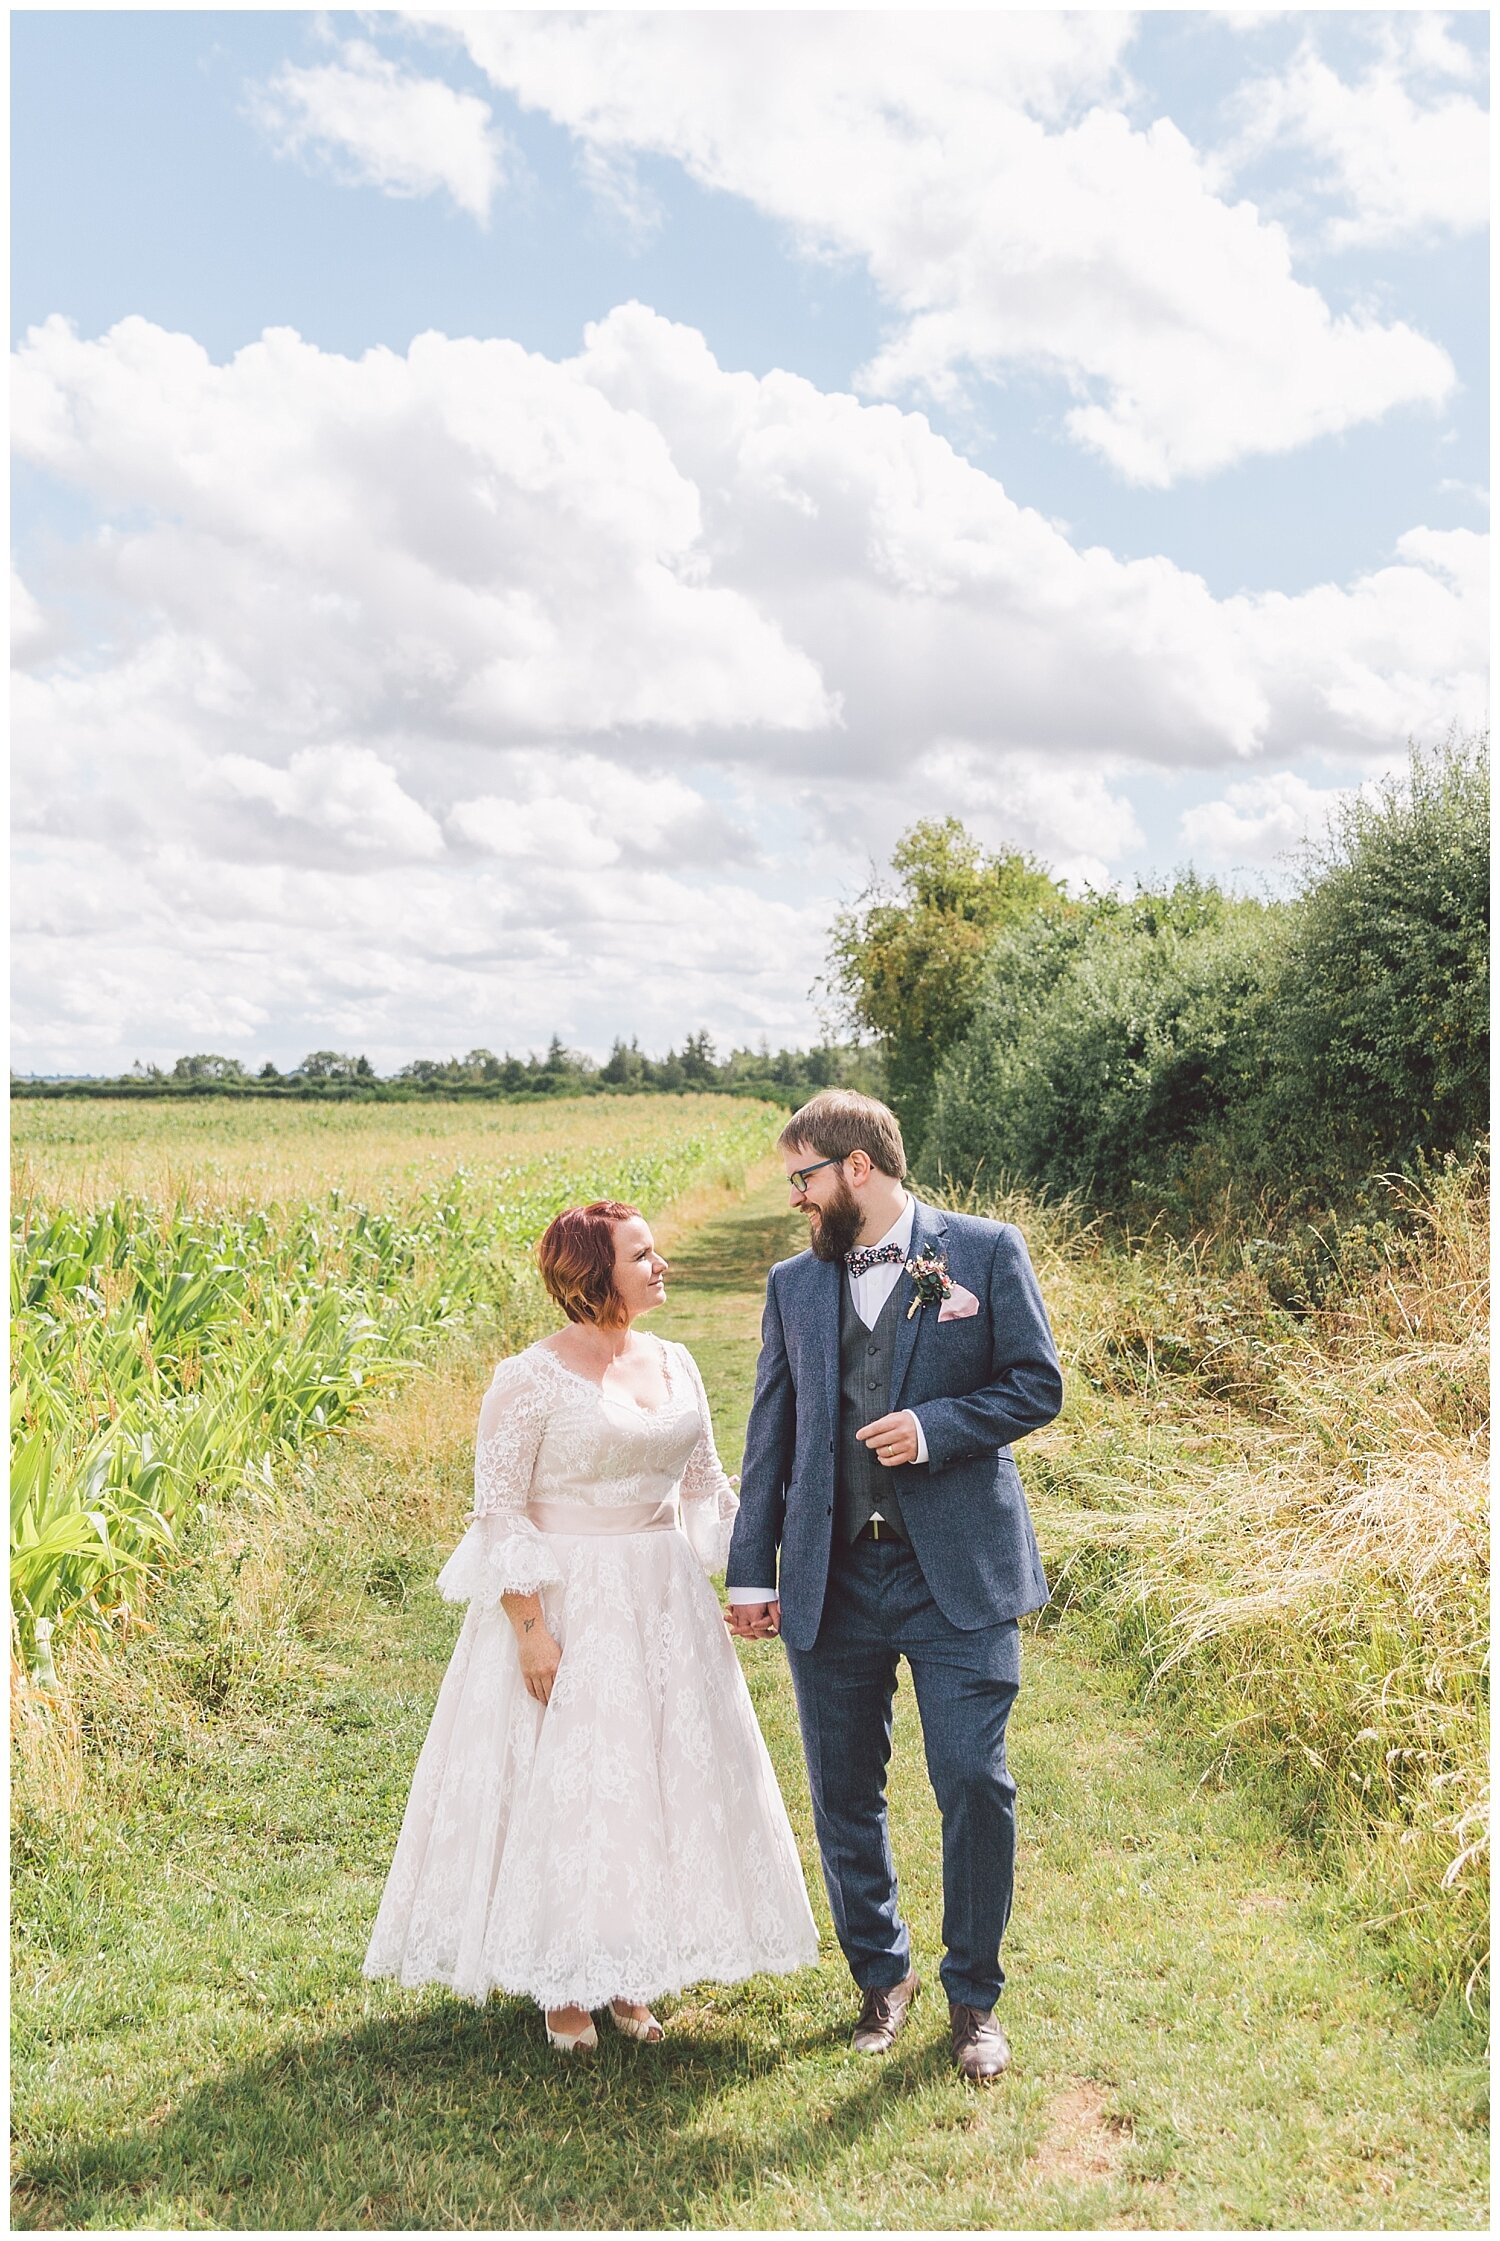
[
  {"x": 893, "y": 1438},
  {"x": 754, "y": 1622}
]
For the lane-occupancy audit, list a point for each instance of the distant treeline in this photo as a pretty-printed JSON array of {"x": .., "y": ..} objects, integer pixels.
[
  {"x": 785, "y": 1077},
  {"x": 1183, "y": 1050}
]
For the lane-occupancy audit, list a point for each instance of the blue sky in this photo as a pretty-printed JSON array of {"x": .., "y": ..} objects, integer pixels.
[{"x": 1127, "y": 497}]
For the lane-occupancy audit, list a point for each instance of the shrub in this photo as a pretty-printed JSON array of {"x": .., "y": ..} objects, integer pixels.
[
  {"x": 1111, "y": 1045},
  {"x": 1185, "y": 1047},
  {"x": 1383, "y": 1034}
]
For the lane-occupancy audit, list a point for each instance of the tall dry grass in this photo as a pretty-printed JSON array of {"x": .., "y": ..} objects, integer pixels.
[{"x": 1280, "y": 1521}]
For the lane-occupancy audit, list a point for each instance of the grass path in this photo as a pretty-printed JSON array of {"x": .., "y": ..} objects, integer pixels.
[{"x": 1197, "y": 2042}]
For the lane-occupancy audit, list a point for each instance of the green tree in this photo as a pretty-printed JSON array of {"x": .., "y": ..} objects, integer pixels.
[
  {"x": 563, "y": 1071},
  {"x": 329, "y": 1066},
  {"x": 208, "y": 1066},
  {"x": 698, "y": 1063},
  {"x": 625, "y": 1068},
  {"x": 908, "y": 960}
]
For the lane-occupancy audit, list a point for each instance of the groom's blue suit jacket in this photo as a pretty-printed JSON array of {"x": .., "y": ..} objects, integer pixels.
[{"x": 977, "y": 1384}]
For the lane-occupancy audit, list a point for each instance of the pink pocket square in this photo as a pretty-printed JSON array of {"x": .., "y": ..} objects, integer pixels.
[{"x": 958, "y": 1306}]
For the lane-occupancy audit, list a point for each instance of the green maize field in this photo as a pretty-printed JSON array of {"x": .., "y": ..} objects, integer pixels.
[{"x": 198, "y": 1293}]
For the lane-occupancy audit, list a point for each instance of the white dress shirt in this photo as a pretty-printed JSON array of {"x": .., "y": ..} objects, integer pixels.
[{"x": 869, "y": 1294}]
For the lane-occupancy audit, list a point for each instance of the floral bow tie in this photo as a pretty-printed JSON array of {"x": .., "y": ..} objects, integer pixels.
[{"x": 866, "y": 1257}]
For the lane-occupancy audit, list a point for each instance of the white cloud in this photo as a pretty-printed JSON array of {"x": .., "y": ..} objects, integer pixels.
[
  {"x": 119, "y": 957},
  {"x": 1258, "y": 822},
  {"x": 983, "y": 166},
  {"x": 1064, "y": 814},
  {"x": 1398, "y": 154},
  {"x": 33, "y": 633},
  {"x": 381, "y": 126},
  {"x": 1402, "y": 651},
  {"x": 473, "y": 688},
  {"x": 470, "y": 531},
  {"x": 583, "y": 811},
  {"x": 344, "y": 792}
]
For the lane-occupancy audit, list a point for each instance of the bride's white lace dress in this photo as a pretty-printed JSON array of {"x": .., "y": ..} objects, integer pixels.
[{"x": 628, "y": 1838}]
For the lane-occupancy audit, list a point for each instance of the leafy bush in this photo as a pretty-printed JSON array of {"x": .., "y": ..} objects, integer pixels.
[
  {"x": 1111, "y": 1043},
  {"x": 1184, "y": 1045},
  {"x": 1383, "y": 1013}
]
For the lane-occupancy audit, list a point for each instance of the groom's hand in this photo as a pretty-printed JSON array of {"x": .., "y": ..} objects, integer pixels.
[
  {"x": 893, "y": 1438},
  {"x": 753, "y": 1622}
]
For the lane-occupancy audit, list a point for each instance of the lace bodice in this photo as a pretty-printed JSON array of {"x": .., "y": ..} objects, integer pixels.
[{"x": 548, "y": 1434}]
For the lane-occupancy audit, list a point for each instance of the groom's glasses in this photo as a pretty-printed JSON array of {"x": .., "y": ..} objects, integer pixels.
[{"x": 798, "y": 1176}]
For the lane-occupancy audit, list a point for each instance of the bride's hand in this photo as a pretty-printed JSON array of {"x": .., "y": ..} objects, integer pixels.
[
  {"x": 753, "y": 1622},
  {"x": 540, "y": 1658}
]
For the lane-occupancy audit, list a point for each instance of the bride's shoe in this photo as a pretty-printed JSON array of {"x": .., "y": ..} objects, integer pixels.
[
  {"x": 582, "y": 2041},
  {"x": 644, "y": 2027}
]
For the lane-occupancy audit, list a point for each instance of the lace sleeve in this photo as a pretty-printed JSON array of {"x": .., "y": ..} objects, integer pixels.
[
  {"x": 503, "y": 1553},
  {"x": 709, "y": 1501}
]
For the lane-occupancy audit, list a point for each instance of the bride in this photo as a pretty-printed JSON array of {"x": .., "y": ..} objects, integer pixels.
[{"x": 594, "y": 1820}]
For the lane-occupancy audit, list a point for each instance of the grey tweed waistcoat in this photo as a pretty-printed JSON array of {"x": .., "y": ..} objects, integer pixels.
[{"x": 862, "y": 1484}]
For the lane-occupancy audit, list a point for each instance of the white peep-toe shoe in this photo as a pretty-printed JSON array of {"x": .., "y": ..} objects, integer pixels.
[
  {"x": 582, "y": 2041},
  {"x": 643, "y": 2027}
]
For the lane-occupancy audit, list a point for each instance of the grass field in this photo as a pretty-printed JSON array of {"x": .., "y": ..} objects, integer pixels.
[
  {"x": 214, "y": 1151},
  {"x": 1200, "y": 2039}
]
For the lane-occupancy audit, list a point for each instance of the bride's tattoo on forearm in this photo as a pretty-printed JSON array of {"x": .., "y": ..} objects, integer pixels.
[{"x": 527, "y": 1625}]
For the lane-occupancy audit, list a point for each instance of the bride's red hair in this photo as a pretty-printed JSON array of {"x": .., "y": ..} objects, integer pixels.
[{"x": 576, "y": 1255}]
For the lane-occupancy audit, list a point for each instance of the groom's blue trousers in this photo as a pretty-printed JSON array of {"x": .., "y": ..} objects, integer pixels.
[{"x": 877, "y": 1611}]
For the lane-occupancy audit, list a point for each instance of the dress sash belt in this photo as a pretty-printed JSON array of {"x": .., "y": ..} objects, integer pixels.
[{"x": 586, "y": 1518}]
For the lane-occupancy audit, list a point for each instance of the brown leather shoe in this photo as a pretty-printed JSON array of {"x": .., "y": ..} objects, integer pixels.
[
  {"x": 883, "y": 2014},
  {"x": 980, "y": 2047}
]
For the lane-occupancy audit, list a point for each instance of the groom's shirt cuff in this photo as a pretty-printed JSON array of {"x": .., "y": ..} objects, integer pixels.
[{"x": 921, "y": 1436}]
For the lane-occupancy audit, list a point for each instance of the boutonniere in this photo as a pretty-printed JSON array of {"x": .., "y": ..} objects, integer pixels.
[{"x": 930, "y": 1281}]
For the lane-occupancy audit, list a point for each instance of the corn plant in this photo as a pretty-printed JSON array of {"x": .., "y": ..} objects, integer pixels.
[{"x": 166, "y": 1357}]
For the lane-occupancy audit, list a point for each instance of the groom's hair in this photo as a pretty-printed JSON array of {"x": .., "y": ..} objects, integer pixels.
[
  {"x": 576, "y": 1255},
  {"x": 839, "y": 1121}
]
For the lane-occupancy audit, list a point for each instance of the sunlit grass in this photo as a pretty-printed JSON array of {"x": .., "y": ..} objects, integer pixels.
[{"x": 1197, "y": 2046}]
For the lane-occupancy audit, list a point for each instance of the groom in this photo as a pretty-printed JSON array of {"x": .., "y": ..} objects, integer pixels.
[{"x": 900, "y": 1358}]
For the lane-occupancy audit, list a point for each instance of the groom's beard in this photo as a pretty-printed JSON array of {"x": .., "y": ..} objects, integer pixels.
[{"x": 833, "y": 1229}]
